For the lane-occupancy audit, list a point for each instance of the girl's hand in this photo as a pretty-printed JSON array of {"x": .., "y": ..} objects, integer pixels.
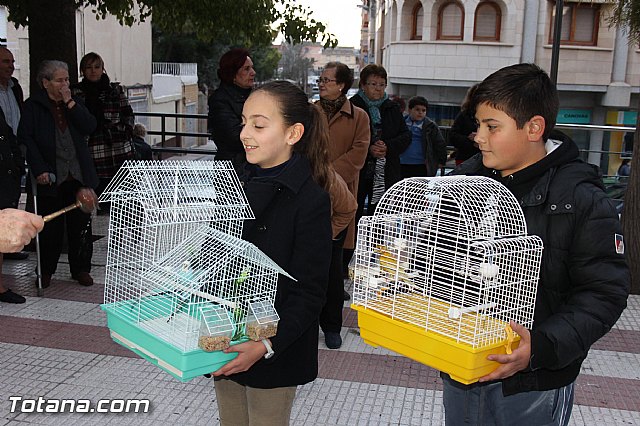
[
  {"x": 517, "y": 361},
  {"x": 248, "y": 354}
]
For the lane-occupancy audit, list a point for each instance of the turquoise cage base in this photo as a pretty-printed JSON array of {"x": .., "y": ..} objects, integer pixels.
[{"x": 184, "y": 366}]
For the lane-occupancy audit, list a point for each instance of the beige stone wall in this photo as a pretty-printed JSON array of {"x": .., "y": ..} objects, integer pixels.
[
  {"x": 126, "y": 50},
  {"x": 466, "y": 60}
]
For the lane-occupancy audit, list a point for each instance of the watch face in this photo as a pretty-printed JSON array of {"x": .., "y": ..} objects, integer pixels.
[{"x": 268, "y": 355}]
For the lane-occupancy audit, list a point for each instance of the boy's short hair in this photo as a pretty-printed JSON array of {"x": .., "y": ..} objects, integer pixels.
[
  {"x": 418, "y": 100},
  {"x": 521, "y": 91}
]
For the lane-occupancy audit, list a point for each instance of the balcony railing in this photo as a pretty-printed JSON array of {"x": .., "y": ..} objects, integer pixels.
[{"x": 174, "y": 68}]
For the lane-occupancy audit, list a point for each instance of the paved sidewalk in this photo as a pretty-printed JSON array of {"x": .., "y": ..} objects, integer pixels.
[{"x": 58, "y": 346}]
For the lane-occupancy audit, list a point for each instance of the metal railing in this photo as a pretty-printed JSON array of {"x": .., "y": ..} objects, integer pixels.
[
  {"x": 174, "y": 68},
  {"x": 164, "y": 133},
  {"x": 164, "y": 116}
]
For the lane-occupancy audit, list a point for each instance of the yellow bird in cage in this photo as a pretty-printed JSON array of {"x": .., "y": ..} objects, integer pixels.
[{"x": 392, "y": 263}]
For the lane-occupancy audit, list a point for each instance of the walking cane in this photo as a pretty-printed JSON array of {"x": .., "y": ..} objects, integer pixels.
[{"x": 34, "y": 190}]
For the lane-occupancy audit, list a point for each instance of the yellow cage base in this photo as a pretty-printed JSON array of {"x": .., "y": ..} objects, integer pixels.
[{"x": 461, "y": 361}]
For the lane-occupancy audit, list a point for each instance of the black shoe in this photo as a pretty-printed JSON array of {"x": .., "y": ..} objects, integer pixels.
[
  {"x": 345, "y": 295},
  {"x": 21, "y": 255},
  {"x": 46, "y": 280},
  {"x": 83, "y": 278},
  {"x": 332, "y": 340},
  {"x": 11, "y": 297}
]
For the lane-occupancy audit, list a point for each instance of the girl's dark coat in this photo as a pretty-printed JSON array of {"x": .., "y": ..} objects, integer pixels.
[{"x": 293, "y": 228}]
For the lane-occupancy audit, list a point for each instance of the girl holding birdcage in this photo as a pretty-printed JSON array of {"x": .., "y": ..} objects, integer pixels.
[{"x": 284, "y": 184}]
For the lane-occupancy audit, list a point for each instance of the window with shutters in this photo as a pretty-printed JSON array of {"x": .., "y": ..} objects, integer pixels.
[
  {"x": 450, "y": 21},
  {"x": 487, "y": 22},
  {"x": 418, "y": 20},
  {"x": 580, "y": 23}
]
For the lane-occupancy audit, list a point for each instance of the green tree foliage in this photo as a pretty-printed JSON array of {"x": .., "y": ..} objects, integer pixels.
[
  {"x": 208, "y": 19},
  {"x": 626, "y": 13},
  {"x": 256, "y": 21},
  {"x": 188, "y": 48}
]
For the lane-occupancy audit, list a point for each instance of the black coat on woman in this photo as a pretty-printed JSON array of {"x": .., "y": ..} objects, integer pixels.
[
  {"x": 293, "y": 228},
  {"x": 37, "y": 132},
  {"x": 110, "y": 143},
  {"x": 395, "y": 135},
  {"x": 11, "y": 166},
  {"x": 225, "y": 121},
  {"x": 11, "y": 158}
]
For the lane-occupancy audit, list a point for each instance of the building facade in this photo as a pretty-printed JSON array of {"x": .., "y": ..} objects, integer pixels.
[
  {"x": 126, "y": 51},
  {"x": 440, "y": 48}
]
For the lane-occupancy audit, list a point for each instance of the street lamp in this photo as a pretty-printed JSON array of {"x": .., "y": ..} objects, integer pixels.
[{"x": 557, "y": 35}]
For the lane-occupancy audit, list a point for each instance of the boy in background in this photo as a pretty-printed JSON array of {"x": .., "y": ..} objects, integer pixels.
[
  {"x": 584, "y": 279},
  {"x": 428, "y": 149}
]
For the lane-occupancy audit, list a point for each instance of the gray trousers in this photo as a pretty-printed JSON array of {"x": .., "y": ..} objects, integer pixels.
[
  {"x": 485, "y": 405},
  {"x": 240, "y": 405}
]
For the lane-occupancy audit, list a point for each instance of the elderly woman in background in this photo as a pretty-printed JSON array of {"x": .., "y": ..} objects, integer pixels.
[
  {"x": 54, "y": 128},
  {"x": 110, "y": 143},
  {"x": 236, "y": 76},
  {"x": 348, "y": 143},
  {"x": 389, "y": 138}
]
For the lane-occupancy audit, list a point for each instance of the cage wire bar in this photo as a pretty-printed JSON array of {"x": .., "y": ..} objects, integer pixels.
[
  {"x": 449, "y": 255},
  {"x": 175, "y": 252}
]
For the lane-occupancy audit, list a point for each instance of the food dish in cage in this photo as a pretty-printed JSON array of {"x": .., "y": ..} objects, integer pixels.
[{"x": 446, "y": 260}]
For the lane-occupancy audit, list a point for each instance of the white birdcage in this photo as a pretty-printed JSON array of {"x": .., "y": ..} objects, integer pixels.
[
  {"x": 175, "y": 263},
  {"x": 441, "y": 268}
]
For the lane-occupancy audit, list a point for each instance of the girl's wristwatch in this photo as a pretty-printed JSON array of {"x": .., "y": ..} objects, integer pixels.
[{"x": 270, "y": 352}]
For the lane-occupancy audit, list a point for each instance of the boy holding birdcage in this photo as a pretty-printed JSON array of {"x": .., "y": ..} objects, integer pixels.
[{"x": 584, "y": 279}]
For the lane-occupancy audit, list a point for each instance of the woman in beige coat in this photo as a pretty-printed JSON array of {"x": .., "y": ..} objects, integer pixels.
[
  {"x": 349, "y": 137},
  {"x": 349, "y": 132}
]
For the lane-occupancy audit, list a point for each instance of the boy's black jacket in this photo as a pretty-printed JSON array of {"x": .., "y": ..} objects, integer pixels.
[{"x": 584, "y": 282}]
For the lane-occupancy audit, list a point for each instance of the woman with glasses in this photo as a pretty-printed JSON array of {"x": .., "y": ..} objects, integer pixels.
[
  {"x": 389, "y": 138},
  {"x": 55, "y": 127},
  {"x": 236, "y": 76},
  {"x": 348, "y": 143}
]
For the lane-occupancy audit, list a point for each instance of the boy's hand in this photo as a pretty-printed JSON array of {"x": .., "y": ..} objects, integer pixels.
[
  {"x": 248, "y": 354},
  {"x": 517, "y": 361}
]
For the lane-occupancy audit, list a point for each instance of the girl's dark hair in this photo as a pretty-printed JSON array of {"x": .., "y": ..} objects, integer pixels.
[
  {"x": 314, "y": 143},
  {"x": 467, "y": 98},
  {"x": 372, "y": 69},
  {"x": 230, "y": 63},
  {"x": 90, "y": 58},
  {"x": 344, "y": 75}
]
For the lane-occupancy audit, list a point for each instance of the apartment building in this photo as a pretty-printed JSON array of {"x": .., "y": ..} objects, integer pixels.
[{"x": 439, "y": 48}]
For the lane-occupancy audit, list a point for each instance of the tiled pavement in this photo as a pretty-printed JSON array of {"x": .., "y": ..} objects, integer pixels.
[{"x": 57, "y": 346}]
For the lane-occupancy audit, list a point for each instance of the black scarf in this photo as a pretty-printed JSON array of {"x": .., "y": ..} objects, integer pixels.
[
  {"x": 94, "y": 95},
  {"x": 332, "y": 107}
]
